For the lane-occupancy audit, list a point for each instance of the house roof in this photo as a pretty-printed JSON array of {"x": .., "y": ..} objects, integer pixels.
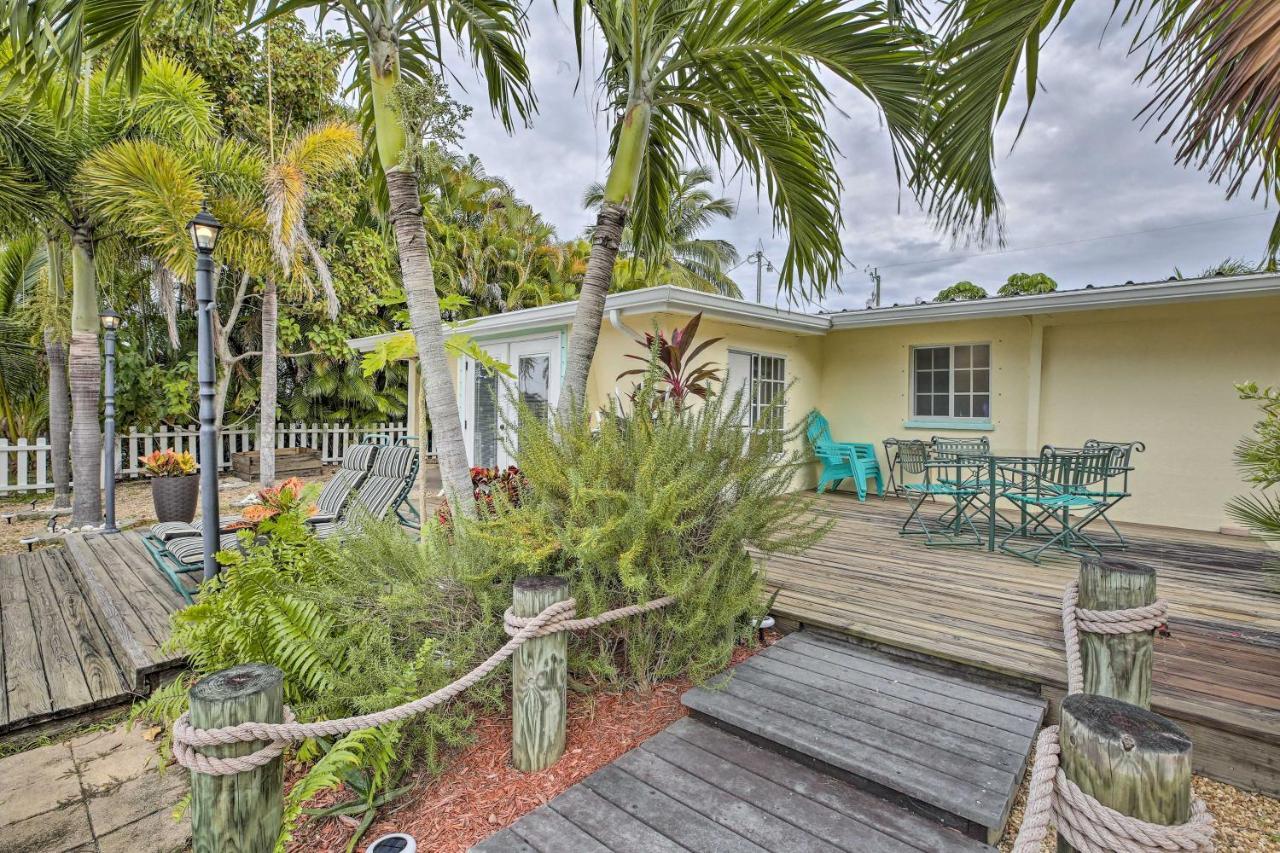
[
  {"x": 677, "y": 300},
  {"x": 1084, "y": 299}
]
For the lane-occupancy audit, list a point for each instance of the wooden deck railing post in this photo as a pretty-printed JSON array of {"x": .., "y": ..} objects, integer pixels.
[
  {"x": 1117, "y": 665},
  {"x": 242, "y": 812},
  {"x": 539, "y": 674},
  {"x": 1127, "y": 758}
]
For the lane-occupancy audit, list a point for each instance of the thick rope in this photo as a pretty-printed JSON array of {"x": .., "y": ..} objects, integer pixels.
[
  {"x": 1088, "y": 825},
  {"x": 186, "y": 738},
  {"x": 1133, "y": 620}
]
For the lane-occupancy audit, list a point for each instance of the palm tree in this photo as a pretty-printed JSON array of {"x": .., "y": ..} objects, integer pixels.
[
  {"x": 741, "y": 82},
  {"x": 319, "y": 152},
  {"x": 42, "y": 152},
  {"x": 1211, "y": 64},
  {"x": 394, "y": 43},
  {"x": 22, "y": 266},
  {"x": 683, "y": 258}
]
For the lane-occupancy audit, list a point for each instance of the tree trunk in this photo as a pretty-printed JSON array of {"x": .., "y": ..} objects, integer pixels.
[
  {"x": 416, "y": 271},
  {"x": 619, "y": 190},
  {"x": 270, "y": 380},
  {"x": 589, "y": 314},
  {"x": 85, "y": 383},
  {"x": 428, "y": 334},
  {"x": 59, "y": 419},
  {"x": 59, "y": 392}
]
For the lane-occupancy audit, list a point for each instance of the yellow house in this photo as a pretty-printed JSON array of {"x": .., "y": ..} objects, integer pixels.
[{"x": 1153, "y": 362}]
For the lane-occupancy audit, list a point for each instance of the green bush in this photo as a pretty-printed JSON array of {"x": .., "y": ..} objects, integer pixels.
[
  {"x": 668, "y": 503},
  {"x": 1258, "y": 456},
  {"x": 961, "y": 291}
]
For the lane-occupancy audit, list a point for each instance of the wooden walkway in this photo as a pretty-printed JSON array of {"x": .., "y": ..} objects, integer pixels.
[
  {"x": 81, "y": 629},
  {"x": 815, "y": 744},
  {"x": 1218, "y": 675}
]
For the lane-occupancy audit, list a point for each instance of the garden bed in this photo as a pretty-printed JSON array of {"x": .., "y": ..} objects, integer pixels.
[{"x": 480, "y": 792}]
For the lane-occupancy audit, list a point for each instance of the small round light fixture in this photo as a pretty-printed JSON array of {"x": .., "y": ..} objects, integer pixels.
[
  {"x": 204, "y": 228},
  {"x": 110, "y": 320}
]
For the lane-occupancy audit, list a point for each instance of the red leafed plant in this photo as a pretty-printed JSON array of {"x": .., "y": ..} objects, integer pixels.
[
  {"x": 291, "y": 496},
  {"x": 488, "y": 482},
  {"x": 678, "y": 376}
]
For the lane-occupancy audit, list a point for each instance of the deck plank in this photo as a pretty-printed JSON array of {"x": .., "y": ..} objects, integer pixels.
[
  {"x": 97, "y": 664},
  {"x": 26, "y": 685},
  {"x": 68, "y": 689}
]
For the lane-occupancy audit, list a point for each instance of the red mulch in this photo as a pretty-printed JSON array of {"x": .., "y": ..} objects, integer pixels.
[{"x": 480, "y": 793}]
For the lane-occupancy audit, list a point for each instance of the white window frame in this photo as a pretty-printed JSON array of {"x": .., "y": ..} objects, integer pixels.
[
  {"x": 753, "y": 404},
  {"x": 951, "y": 417}
]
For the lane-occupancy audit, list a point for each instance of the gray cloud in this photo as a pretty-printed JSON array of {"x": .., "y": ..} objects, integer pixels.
[{"x": 1083, "y": 172}]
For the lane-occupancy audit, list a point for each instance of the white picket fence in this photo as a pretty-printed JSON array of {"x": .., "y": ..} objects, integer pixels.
[{"x": 25, "y": 466}]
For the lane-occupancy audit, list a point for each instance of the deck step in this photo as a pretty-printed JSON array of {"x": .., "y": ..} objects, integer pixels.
[
  {"x": 697, "y": 787},
  {"x": 946, "y": 746}
]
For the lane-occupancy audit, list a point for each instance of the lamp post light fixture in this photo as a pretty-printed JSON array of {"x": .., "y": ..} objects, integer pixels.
[
  {"x": 110, "y": 323},
  {"x": 204, "y": 228}
]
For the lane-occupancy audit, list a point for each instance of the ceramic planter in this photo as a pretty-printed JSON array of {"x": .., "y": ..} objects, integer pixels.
[{"x": 174, "y": 498}]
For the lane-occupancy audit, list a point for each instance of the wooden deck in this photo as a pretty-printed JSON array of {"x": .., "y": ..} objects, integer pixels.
[
  {"x": 82, "y": 628},
  {"x": 1218, "y": 675}
]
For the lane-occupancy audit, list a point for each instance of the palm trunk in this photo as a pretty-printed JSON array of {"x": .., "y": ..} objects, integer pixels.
[
  {"x": 59, "y": 419},
  {"x": 59, "y": 392},
  {"x": 619, "y": 190},
  {"x": 270, "y": 381},
  {"x": 417, "y": 274},
  {"x": 85, "y": 383}
]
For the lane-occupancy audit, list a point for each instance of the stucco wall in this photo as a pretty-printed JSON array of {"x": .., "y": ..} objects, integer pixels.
[{"x": 1161, "y": 374}]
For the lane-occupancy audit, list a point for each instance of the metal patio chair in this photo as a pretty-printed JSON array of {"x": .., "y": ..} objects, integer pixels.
[
  {"x": 955, "y": 478},
  {"x": 1062, "y": 482}
]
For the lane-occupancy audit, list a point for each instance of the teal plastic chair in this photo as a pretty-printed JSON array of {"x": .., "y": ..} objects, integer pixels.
[{"x": 843, "y": 460}]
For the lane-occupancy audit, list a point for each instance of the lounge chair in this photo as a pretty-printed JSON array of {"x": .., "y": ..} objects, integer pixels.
[
  {"x": 177, "y": 549},
  {"x": 355, "y": 466},
  {"x": 389, "y": 482},
  {"x": 841, "y": 460}
]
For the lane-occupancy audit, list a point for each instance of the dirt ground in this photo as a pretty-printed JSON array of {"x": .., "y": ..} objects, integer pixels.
[{"x": 133, "y": 501}]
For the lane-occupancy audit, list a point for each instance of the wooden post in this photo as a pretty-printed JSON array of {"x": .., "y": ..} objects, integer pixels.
[
  {"x": 539, "y": 677},
  {"x": 1126, "y": 758},
  {"x": 243, "y": 812},
  {"x": 1117, "y": 665}
]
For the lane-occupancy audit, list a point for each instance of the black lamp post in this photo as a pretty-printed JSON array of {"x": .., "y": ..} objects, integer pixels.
[
  {"x": 110, "y": 323},
  {"x": 204, "y": 230}
]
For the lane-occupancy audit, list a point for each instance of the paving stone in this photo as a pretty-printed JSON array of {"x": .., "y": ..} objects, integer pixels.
[
  {"x": 156, "y": 833},
  {"x": 121, "y": 805},
  {"x": 64, "y": 829},
  {"x": 37, "y": 781},
  {"x": 108, "y": 758}
]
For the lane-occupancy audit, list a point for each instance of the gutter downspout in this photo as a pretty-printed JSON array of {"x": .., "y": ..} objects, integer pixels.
[{"x": 615, "y": 320}]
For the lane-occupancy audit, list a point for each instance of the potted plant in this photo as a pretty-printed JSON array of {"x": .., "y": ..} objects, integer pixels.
[{"x": 174, "y": 484}]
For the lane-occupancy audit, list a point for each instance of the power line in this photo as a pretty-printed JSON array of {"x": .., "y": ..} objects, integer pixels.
[{"x": 1072, "y": 242}]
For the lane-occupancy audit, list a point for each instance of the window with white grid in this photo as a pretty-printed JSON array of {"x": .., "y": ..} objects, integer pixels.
[
  {"x": 761, "y": 379},
  {"x": 951, "y": 381}
]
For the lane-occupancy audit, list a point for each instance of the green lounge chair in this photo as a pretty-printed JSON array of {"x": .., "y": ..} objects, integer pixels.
[{"x": 843, "y": 460}]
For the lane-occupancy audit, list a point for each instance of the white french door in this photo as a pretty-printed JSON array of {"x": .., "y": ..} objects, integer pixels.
[{"x": 490, "y": 400}]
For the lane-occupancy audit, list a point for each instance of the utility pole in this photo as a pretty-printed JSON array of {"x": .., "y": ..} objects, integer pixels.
[
  {"x": 761, "y": 263},
  {"x": 874, "y": 272}
]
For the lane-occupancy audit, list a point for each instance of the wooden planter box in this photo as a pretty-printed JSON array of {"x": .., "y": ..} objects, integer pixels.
[{"x": 290, "y": 462}]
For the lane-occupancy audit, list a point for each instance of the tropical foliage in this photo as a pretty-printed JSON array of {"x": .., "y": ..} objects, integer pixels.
[
  {"x": 961, "y": 291},
  {"x": 1025, "y": 284},
  {"x": 672, "y": 375},
  {"x": 1258, "y": 456},
  {"x": 1208, "y": 62},
  {"x": 679, "y": 254}
]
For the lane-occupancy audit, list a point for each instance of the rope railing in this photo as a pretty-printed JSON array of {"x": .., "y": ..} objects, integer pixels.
[
  {"x": 187, "y": 740},
  {"x": 1075, "y": 619},
  {"x": 1053, "y": 799}
]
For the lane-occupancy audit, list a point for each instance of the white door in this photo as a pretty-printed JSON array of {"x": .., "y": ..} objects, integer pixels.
[{"x": 491, "y": 409}]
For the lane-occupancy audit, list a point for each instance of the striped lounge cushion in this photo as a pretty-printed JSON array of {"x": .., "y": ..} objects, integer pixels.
[{"x": 189, "y": 550}]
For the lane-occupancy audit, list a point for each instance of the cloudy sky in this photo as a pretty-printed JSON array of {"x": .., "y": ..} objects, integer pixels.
[{"x": 1091, "y": 196}]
